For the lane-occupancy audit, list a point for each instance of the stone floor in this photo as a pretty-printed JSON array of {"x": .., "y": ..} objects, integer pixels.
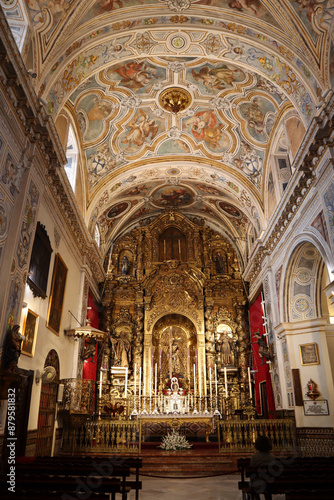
[{"x": 214, "y": 488}]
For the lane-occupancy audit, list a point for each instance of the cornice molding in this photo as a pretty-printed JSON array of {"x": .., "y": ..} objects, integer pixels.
[
  {"x": 40, "y": 131},
  {"x": 314, "y": 147}
]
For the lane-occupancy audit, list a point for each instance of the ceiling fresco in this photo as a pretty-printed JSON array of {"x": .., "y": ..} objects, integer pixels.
[{"x": 248, "y": 66}]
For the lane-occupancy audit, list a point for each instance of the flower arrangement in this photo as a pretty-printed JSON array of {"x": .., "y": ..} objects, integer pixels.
[{"x": 175, "y": 442}]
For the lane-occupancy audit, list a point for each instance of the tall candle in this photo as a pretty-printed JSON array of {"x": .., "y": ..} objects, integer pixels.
[
  {"x": 195, "y": 392},
  {"x": 210, "y": 386},
  {"x": 205, "y": 389},
  {"x": 200, "y": 383},
  {"x": 100, "y": 388},
  {"x": 160, "y": 360},
  {"x": 216, "y": 381},
  {"x": 249, "y": 383},
  {"x": 126, "y": 383},
  {"x": 189, "y": 361},
  {"x": 225, "y": 376},
  {"x": 155, "y": 381},
  {"x": 134, "y": 392},
  {"x": 139, "y": 384},
  {"x": 170, "y": 355},
  {"x": 144, "y": 380},
  {"x": 196, "y": 359}
]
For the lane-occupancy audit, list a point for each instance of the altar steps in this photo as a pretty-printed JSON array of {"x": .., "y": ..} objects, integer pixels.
[{"x": 189, "y": 463}]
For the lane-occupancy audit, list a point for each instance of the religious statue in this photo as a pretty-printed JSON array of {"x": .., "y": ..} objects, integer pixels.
[
  {"x": 125, "y": 265},
  {"x": 12, "y": 349},
  {"x": 176, "y": 367},
  {"x": 263, "y": 348},
  {"x": 226, "y": 350},
  {"x": 122, "y": 349},
  {"x": 89, "y": 350},
  {"x": 219, "y": 262},
  {"x": 312, "y": 390}
]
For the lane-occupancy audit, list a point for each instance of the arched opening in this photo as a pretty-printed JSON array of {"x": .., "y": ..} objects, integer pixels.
[
  {"x": 174, "y": 343},
  {"x": 303, "y": 286},
  {"x": 72, "y": 158},
  {"x": 172, "y": 245},
  {"x": 47, "y": 407}
]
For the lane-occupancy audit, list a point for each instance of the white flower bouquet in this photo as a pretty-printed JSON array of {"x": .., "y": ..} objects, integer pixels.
[{"x": 175, "y": 442}]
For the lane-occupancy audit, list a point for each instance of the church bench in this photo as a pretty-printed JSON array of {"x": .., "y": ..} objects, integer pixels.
[
  {"x": 87, "y": 465},
  {"x": 64, "y": 487},
  {"x": 297, "y": 478}
]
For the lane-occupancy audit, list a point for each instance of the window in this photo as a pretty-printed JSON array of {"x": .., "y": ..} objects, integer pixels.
[
  {"x": 72, "y": 157},
  {"x": 40, "y": 262},
  {"x": 97, "y": 235}
]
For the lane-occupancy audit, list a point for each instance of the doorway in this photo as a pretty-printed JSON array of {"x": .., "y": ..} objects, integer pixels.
[{"x": 47, "y": 409}]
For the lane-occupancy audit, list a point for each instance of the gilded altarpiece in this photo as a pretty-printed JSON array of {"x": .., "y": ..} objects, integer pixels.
[{"x": 178, "y": 306}]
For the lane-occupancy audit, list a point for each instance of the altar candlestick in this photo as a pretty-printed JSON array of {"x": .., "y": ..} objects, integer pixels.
[
  {"x": 100, "y": 388},
  {"x": 144, "y": 380},
  {"x": 196, "y": 359},
  {"x": 200, "y": 383},
  {"x": 225, "y": 376},
  {"x": 195, "y": 392},
  {"x": 152, "y": 364},
  {"x": 216, "y": 381},
  {"x": 210, "y": 387},
  {"x": 249, "y": 383},
  {"x": 126, "y": 383},
  {"x": 160, "y": 364},
  {"x": 134, "y": 392},
  {"x": 205, "y": 389},
  {"x": 155, "y": 381},
  {"x": 189, "y": 361},
  {"x": 139, "y": 391},
  {"x": 170, "y": 355}
]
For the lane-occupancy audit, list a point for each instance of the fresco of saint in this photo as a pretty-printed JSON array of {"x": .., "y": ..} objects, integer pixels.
[{"x": 205, "y": 127}]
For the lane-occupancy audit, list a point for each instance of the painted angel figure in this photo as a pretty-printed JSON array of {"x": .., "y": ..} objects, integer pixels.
[{"x": 141, "y": 128}]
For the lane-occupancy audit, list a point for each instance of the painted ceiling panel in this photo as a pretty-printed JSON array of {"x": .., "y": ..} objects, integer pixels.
[{"x": 247, "y": 67}]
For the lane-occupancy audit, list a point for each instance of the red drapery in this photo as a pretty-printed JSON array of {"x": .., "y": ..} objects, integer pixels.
[
  {"x": 261, "y": 367},
  {"x": 89, "y": 367}
]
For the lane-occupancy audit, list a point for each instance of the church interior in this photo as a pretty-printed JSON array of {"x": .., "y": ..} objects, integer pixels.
[{"x": 166, "y": 226}]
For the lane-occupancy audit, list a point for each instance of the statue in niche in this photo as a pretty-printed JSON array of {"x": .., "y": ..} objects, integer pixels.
[
  {"x": 89, "y": 350},
  {"x": 263, "y": 348},
  {"x": 125, "y": 265},
  {"x": 12, "y": 349},
  {"x": 122, "y": 349},
  {"x": 176, "y": 365},
  {"x": 219, "y": 263},
  {"x": 225, "y": 350}
]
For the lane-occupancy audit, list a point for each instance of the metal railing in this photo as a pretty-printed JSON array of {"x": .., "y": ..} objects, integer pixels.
[
  {"x": 78, "y": 395},
  {"x": 240, "y": 436},
  {"x": 103, "y": 436}
]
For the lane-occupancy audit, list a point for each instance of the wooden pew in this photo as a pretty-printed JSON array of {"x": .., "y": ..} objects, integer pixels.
[
  {"x": 297, "y": 478},
  {"x": 62, "y": 487},
  {"x": 87, "y": 465}
]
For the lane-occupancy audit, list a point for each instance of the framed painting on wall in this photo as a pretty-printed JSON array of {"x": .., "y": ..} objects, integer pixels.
[
  {"x": 309, "y": 354},
  {"x": 30, "y": 333},
  {"x": 57, "y": 295}
]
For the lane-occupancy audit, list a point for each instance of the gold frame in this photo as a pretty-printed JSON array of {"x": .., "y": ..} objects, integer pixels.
[
  {"x": 27, "y": 325},
  {"x": 57, "y": 294},
  {"x": 312, "y": 350}
]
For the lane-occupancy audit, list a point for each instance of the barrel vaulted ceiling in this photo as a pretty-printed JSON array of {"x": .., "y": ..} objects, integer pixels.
[{"x": 250, "y": 66}]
